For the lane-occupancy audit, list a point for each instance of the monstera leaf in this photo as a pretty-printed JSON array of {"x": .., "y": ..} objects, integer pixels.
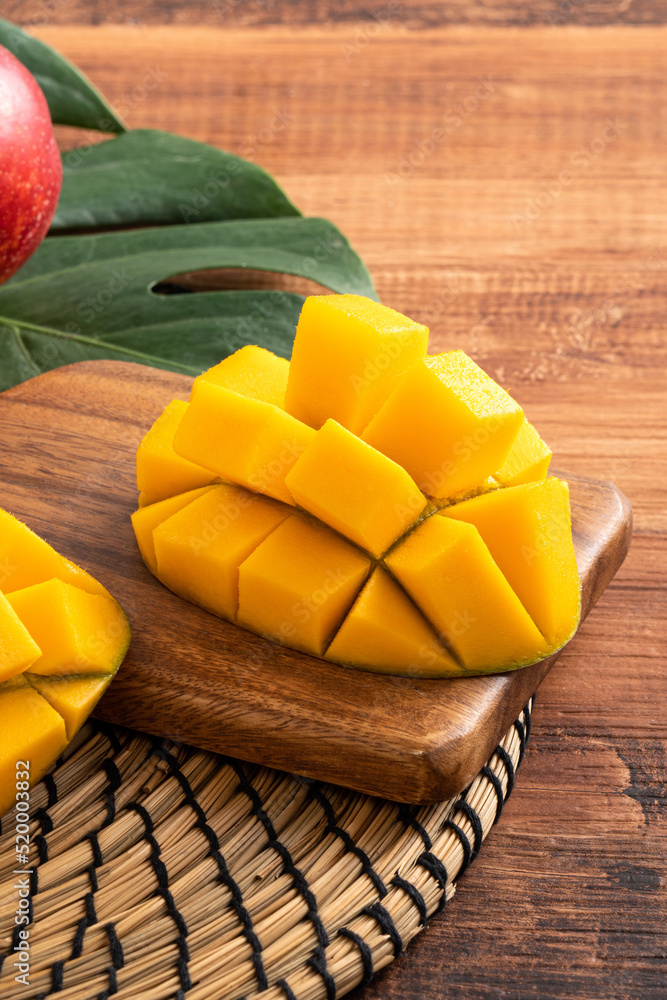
[{"x": 99, "y": 294}]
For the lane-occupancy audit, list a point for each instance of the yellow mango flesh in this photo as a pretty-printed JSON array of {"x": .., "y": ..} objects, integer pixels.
[
  {"x": 18, "y": 650},
  {"x": 355, "y": 489},
  {"x": 160, "y": 471},
  {"x": 26, "y": 559},
  {"x": 528, "y": 459},
  {"x": 251, "y": 371},
  {"x": 448, "y": 571},
  {"x": 385, "y": 632},
  {"x": 76, "y": 632},
  {"x": 528, "y": 533},
  {"x": 298, "y": 585},
  {"x": 147, "y": 518},
  {"x": 72, "y": 697},
  {"x": 348, "y": 355},
  {"x": 243, "y": 440},
  {"x": 199, "y": 549},
  {"x": 447, "y": 423},
  {"x": 31, "y": 731}
]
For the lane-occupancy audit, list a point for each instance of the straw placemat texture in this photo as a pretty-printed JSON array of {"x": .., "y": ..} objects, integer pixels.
[{"x": 160, "y": 871}]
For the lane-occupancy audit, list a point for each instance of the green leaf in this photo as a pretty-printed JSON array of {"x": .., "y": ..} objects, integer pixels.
[
  {"x": 84, "y": 297},
  {"x": 71, "y": 97},
  {"x": 146, "y": 177}
]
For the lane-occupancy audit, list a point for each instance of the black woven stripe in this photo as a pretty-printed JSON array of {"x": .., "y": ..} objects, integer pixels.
[
  {"x": 503, "y": 755},
  {"x": 108, "y": 730},
  {"x": 286, "y": 988},
  {"x": 387, "y": 925},
  {"x": 297, "y": 876},
  {"x": 114, "y": 781},
  {"x": 57, "y": 976},
  {"x": 162, "y": 876},
  {"x": 415, "y": 895},
  {"x": 52, "y": 789},
  {"x": 477, "y": 829},
  {"x": 521, "y": 732},
  {"x": 449, "y": 824},
  {"x": 435, "y": 867},
  {"x": 408, "y": 818},
  {"x": 115, "y": 947},
  {"x": 98, "y": 861},
  {"x": 89, "y": 918},
  {"x": 347, "y": 840},
  {"x": 224, "y": 875},
  {"x": 364, "y": 951},
  {"x": 113, "y": 981},
  {"x": 528, "y": 716},
  {"x": 318, "y": 962},
  {"x": 497, "y": 787}
]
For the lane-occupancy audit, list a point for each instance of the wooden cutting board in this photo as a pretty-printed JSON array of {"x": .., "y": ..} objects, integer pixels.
[{"x": 67, "y": 447}]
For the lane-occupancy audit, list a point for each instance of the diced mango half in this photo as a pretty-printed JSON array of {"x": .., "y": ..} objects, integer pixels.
[
  {"x": 373, "y": 505},
  {"x": 146, "y": 519},
  {"x": 355, "y": 489},
  {"x": 18, "y": 649},
  {"x": 199, "y": 549},
  {"x": 253, "y": 372},
  {"x": 298, "y": 585},
  {"x": 161, "y": 472},
  {"x": 32, "y": 732},
  {"x": 448, "y": 571},
  {"x": 528, "y": 459},
  {"x": 528, "y": 533},
  {"x": 349, "y": 354},
  {"x": 385, "y": 632},
  {"x": 447, "y": 423},
  {"x": 241, "y": 439},
  {"x": 72, "y": 697},
  {"x": 77, "y": 633}
]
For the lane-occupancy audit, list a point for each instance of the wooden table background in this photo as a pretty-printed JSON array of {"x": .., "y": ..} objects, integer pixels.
[{"x": 501, "y": 168}]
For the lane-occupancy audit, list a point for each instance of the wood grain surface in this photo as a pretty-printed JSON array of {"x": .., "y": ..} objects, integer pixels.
[
  {"x": 555, "y": 282},
  {"x": 195, "y": 678}
]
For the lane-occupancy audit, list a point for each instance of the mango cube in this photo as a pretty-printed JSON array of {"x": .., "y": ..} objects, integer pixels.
[
  {"x": 146, "y": 519},
  {"x": 348, "y": 356},
  {"x": 251, "y": 371},
  {"x": 447, "y": 423},
  {"x": 385, "y": 632},
  {"x": 73, "y": 698},
  {"x": 528, "y": 533},
  {"x": 358, "y": 491},
  {"x": 528, "y": 459},
  {"x": 18, "y": 649},
  {"x": 298, "y": 585},
  {"x": 450, "y": 574},
  {"x": 199, "y": 549},
  {"x": 161, "y": 472},
  {"x": 244, "y": 440},
  {"x": 31, "y": 730},
  {"x": 75, "y": 631}
]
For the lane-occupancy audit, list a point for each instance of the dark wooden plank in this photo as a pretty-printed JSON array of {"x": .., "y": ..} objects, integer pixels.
[{"x": 220, "y": 687}]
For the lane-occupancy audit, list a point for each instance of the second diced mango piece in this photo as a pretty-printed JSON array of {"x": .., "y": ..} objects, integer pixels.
[
  {"x": 75, "y": 631},
  {"x": 348, "y": 354},
  {"x": 448, "y": 423},
  {"x": 146, "y": 519},
  {"x": 161, "y": 472},
  {"x": 199, "y": 550},
  {"x": 385, "y": 632},
  {"x": 298, "y": 585},
  {"x": 251, "y": 371},
  {"x": 72, "y": 697},
  {"x": 528, "y": 459},
  {"x": 357, "y": 490},
  {"x": 448, "y": 571},
  {"x": 241, "y": 439},
  {"x": 18, "y": 650}
]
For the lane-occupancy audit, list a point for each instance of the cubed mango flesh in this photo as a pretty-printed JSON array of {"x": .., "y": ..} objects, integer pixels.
[
  {"x": 349, "y": 353},
  {"x": 146, "y": 519},
  {"x": 241, "y": 439},
  {"x": 18, "y": 649},
  {"x": 73, "y": 697},
  {"x": 298, "y": 585},
  {"x": 161, "y": 472},
  {"x": 528, "y": 533},
  {"x": 385, "y": 632},
  {"x": 251, "y": 371},
  {"x": 528, "y": 459},
  {"x": 447, "y": 423},
  {"x": 355, "y": 489},
  {"x": 199, "y": 549},
  {"x": 448, "y": 571}
]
